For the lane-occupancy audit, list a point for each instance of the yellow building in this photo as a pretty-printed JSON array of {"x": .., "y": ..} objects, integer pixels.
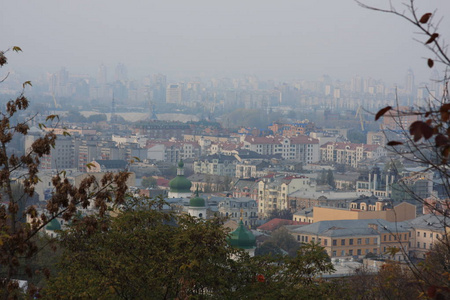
[
  {"x": 401, "y": 212},
  {"x": 426, "y": 231},
  {"x": 356, "y": 238}
]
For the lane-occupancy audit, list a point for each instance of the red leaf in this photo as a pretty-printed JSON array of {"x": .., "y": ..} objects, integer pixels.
[
  {"x": 430, "y": 63},
  {"x": 394, "y": 143},
  {"x": 446, "y": 151},
  {"x": 441, "y": 140},
  {"x": 432, "y": 38},
  {"x": 382, "y": 111},
  {"x": 425, "y": 18},
  {"x": 431, "y": 291},
  {"x": 416, "y": 129},
  {"x": 427, "y": 130}
]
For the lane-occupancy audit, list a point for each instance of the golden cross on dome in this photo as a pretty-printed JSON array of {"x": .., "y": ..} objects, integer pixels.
[{"x": 242, "y": 213}]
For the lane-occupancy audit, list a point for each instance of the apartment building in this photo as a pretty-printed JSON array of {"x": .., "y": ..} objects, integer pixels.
[
  {"x": 349, "y": 153},
  {"x": 356, "y": 238},
  {"x": 237, "y": 208},
  {"x": 216, "y": 165},
  {"x": 426, "y": 231},
  {"x": 299, "y": 148},
  {"x": 273, "y": 191},
  {"x": 172, "y": 152},
  {"x": 62, "y": 155}
]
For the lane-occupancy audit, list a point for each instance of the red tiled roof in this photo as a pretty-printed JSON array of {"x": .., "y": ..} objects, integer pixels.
[
  {"x": 162, "y": 182},
  {"x": 276, "y": 223}
]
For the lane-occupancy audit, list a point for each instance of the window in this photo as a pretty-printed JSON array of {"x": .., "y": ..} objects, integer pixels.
[
  {"x": 431, "y": 235},
  {"x": 343, "y": 253},
  {"x": 350, "y": 241},
  {"x": 333, "y": 254},
  {"x": 424, "y": 245},
  {"x": 358, "y": 252},
  {"x": 424, "y": 234},
  {"x": 367, "y": 241},
  {"x": 384, "y": 238},
  {"x": 342, "y": 242},
  {"x": 418, "y": 245},
  {"x": 375, "y": 250},
  {"x": 325, "y": 242},
  {"x": 298, "y": 238},
  {"x": 418, "y": 233},
  {"x": 406, "y": 237},
  {"x": 334, "y": 242},
  {"x": 390, "y": 237},
  {"x": 359, "y": 241},
  {"x": 306, "y": 239},
  {"x": 375, "y": 240},
  {"x": 350, "y": 252},
  {"x": 367, "y": 251}
]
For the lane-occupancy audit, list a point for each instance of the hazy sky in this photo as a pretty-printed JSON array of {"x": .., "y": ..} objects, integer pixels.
[{"x": 282, "y": 39}]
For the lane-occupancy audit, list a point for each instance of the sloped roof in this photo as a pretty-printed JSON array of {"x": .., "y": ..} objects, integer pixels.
[
  {"x": 112, "y": 163},
  {"x": 341, "y": 228},
  {"x": 277, "y": 223},
  {"x": 430, "y": 222}
]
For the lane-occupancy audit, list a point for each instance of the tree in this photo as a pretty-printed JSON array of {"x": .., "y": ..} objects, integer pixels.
[
  {"x": 323, "y": 177},
  {"x": 283, "y": 239},
  {"x": 17, "y": 238},
  {"x": 148, "y": 182},
  {"x": 330, "y": 179},
  {"x": 130, "y": 260},
  {"x": 356, "y": 136},
  {"x": 426, "y": 141},
  {"x": 97, "y": 118},
  {"x": 280, "y": 214}
]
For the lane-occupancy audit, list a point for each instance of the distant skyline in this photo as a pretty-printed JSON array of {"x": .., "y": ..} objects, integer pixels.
[{"x": 273, "y": 40}]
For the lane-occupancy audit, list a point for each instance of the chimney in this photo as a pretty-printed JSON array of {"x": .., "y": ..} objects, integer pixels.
[{"x": 373, "y": 226}]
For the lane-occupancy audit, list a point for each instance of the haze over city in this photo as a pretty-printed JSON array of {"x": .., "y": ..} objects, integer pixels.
[
  {"x": 224, "y": 149},
  {"x": 272, "y": 40}
]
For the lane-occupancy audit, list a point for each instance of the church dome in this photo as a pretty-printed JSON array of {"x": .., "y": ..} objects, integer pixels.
[
  {"x": 180, "y": 184},
  {"x": 197, "y": 201},
  {"x": 53, "y": 225},
  {"x": 242, "y": 238}
]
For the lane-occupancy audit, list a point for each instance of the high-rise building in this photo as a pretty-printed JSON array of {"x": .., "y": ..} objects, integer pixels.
[
  {"x": 409, "y": 83},
  {"x": 158, "y": 87},
  {"x": 101, "y": 75},
  {"x": 121, "y": 72},
  {"x": 174, "y": 93}
]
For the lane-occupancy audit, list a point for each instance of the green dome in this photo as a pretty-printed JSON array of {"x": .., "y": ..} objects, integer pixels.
[
  {"x": 242, "y": 238},
  {"x": 180, "y": 184},
  {"x": 53, "y": 225},
  {"x": 197, "y": 201},
  {"x": 180, "y": 164}
]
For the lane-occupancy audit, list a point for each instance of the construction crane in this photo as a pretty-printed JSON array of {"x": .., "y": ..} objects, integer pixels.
[
  {"x": 57, "y": 105},
  {"x": 361, "y": 117}
]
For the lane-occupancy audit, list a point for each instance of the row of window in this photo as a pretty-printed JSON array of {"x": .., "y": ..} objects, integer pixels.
[
  {"x": 351, "y": 252},
  {"x": 359, "y": 241},
  {"x": 425, "y": 234},
  {"x": 394, "y": 237}
]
